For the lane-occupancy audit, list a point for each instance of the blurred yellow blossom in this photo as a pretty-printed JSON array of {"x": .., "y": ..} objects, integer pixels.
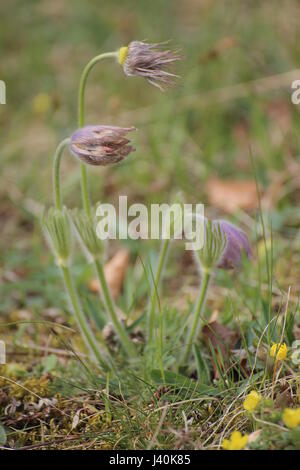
[
  {"x": 41, "y": 103},
  {"x": 251, "y": 401},
  {"x": 291, "y": 417},
  {"x": 279, "y": 350},
  {"x": 236, "y": 441}
]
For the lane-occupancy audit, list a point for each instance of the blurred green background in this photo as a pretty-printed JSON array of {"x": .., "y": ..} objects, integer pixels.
[{"x": 201, "y": 129}]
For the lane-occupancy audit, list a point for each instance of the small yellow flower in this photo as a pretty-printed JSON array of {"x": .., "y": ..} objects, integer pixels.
[
  {"x": 251, "y": 401},
  {"x": 236, "y": 441},
  {"x": 291, "y": 417},
  {"x": 279, "y": 350},
  {"x": 41, "y": 103}
]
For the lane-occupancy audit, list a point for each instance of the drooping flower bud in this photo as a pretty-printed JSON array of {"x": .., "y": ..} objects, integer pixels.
[
  {"x": 57, "y": 228},
  {"x": 214, "y": 242},
  {"x": 236, "y": 244},
  {"x": 150, "y": 61},
  {"x": 101, "y": 145}
]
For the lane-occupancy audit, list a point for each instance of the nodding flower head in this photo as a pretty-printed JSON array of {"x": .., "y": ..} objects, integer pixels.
[
  {"x": 236, "y": 244},
  {"x": 151, "y": 61},
  {"x": 101, "y": 145}
]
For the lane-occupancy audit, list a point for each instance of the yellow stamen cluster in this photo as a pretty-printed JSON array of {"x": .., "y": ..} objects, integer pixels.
[
  {"x": 236, "y": 441},
  {"x": 122, "y": 55}
]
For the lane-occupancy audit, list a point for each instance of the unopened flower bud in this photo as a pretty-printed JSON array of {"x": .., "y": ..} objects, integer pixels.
[
  {"x": 150, "y": 61},
  {"x": 57, "y": 228},
  {"x": 101, "y": 145},
  {"x": 236, "y": 244}
]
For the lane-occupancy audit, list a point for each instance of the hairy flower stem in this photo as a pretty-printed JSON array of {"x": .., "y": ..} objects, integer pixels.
[
  {"x": 129, "y": 348},
  {"x": 154, "y": 293},
  {"x": 85, "y": 330},
  {"x": 197, "y": 315},
  {"x": 126, "y": 343},
  {"x": 56, "y": 170},
  {"x": 82, "y": 85}
]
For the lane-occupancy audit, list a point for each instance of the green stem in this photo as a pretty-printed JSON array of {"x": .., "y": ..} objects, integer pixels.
[
  {"x": 197, "y": 315},
  {"x": 126, "y": 343},
  {"x": 82, "y": 85},
  {"x": 56, "y": 169},
  {"x": 154, "y": 293},
  {"x": 85, "y": 330}
]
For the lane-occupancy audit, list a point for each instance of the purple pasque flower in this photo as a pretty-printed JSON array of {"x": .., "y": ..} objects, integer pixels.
[
  {"x": 151, "y": 61},
  {"x": 237, "y": 243},
  {"x": 101, "y": 145}
]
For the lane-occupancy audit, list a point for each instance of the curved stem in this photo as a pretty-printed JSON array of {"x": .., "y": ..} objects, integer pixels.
[
  {"x": 82, "y": 85},
  {"x": 56, "y": 169},
  {"x": 197, "y": 315},
  {"x": 85, "y": 330},
  {"x": 154, "y": 294},
  {"x": 126, "y": 343},
  {"x": 85, "y": 190}
]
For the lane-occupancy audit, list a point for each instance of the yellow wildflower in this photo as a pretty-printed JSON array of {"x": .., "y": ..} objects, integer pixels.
[
  {"x": 291, "y": 417},
  {"x": 41, "y": 103},
  {"x": 279, "y": 350},
  {"x": 251, "y": 401},
  {"x": 236, "y": 441}
]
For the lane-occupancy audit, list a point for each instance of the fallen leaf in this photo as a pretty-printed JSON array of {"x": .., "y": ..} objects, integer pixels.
[
  {"x": 254, "y": 436},
  {"x": 115, "y": 271},
  {"x": 230, "y": 195},
  {"x": 76, "y": 419}
]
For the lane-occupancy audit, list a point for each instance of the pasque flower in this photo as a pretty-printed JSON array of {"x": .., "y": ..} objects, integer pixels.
[
  {"x": 151, "y": 61},
  {"x": 251, "y": 401},
  {"x": 279, "y": 351},
  {"x": 291, "y": 417},
  {"x": 236, "y": 441},
  {"x": 101, "y": 145},
  {"x": 236, "y": 244},
  {"x": 224, "y": 243}
]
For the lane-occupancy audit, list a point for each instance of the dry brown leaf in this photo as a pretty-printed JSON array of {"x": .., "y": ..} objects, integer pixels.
[
  {"x": 254, "y": 436},
  {"x": 76, "y": 419},
  {"x": 230, "y": 195},
  {"x": 115, "y": 271}
]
